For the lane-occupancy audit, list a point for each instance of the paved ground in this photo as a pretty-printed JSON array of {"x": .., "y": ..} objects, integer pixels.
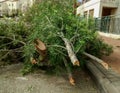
[
  {"x": 114, "y": 59},
  {"x": 11, "y": 81}
]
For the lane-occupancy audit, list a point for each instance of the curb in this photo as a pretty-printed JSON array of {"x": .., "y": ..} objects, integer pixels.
[{"x": 107, "y": 80}]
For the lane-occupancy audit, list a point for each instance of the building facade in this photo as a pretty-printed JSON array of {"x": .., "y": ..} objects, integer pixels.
[
  {"x": 24, "y": 4},
  {"x": 98, "y": 8},
  {"x": 11, "y": 7},
  {"x": 3, "y": 8}
]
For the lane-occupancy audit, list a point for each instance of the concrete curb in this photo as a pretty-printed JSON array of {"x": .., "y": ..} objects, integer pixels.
[
  {"x": 107, "y": 80},
  {"x": 114, "y": 36}
]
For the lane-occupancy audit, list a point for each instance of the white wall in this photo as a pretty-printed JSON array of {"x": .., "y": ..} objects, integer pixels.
[
  {"x": 110, "y": 3},
  {"x": 24, "y": 4},
  {"x": 3, "y": 8},
  {"x": 93, "y": 4},
  {"x": 117, "y": 12},
  {"x": 11, "y": 5},
  {"x": 97, "y": 5}
]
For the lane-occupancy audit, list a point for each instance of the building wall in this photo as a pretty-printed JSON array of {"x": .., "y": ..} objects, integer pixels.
[
  {"x": 24, "y": 4},
  {"x": 97, "y": 6},
  {"x": 93, "y": 4},
  {"x": 3, "y": 8},
  {"x": 117, "y": 12},
  {"x": 12, "y": 6}
]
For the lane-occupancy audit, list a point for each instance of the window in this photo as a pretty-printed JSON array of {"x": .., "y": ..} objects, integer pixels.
[
  {"x": 85, "y": 13},
  {"x": 91, "y": 13}
]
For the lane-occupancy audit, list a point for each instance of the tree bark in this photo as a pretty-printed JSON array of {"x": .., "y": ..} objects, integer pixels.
[
  {"x": 71, "y": 80},
  {"x": 71, "y": 54},
  {"x": 104, "y": 64}
]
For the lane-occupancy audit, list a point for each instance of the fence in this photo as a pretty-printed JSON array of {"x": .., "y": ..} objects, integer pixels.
[{"x": 108, "y": 24}]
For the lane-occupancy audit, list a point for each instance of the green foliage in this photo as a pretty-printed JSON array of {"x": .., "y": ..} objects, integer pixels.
[
  {"x": 12, "y": 39},
  {"x": 99, "y": 49}
]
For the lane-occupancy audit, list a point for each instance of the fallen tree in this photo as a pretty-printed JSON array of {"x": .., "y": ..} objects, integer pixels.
[
  {"x": 65, "y": 35},
  {"x": 55, "y": 37}
]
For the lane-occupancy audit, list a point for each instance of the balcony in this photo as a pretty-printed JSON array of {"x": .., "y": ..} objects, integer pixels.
[
  {"x": 106, "y": 3},
  {"x": 110, "y": 3}
]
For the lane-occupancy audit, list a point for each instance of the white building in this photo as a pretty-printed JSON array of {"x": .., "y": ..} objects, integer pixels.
[
  {"x": 24, "y": 4},
  {"x": 11, "y": 7},
  {"x": 3, "y": 8},
  {"x": 99, "y": 8}
]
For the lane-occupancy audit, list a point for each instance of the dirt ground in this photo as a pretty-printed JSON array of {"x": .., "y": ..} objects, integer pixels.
[
  {"x": 114, "y": 59},
  {"x": 11, "y": 81}
]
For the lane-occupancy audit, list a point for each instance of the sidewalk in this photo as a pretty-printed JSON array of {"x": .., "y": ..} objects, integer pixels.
[{"x": 114, "y": 59}]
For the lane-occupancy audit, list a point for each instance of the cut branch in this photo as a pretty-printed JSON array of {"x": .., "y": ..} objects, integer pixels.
[
  {"x": 41, "y": 48},
  {"x": 71, "y": 80},
  {"x": 33, "y": 61},
  {"x": 104, "y": 64},
  {"x": 71, "y": 54}
]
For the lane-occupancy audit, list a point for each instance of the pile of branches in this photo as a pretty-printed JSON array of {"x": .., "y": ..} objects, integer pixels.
[
  {"x": 51, "y": 35},
  {"x": 13, "y": 37}
]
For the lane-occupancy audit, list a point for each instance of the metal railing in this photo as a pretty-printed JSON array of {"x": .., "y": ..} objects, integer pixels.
[{"x": 108, "y": 24}]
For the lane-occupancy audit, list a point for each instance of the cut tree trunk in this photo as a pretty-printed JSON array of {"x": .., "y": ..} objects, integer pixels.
[
  {"x": 41, "y": 48},
  {"x": 104, "y": 64},
  {"x": 71, "y": 80},
  {"x": 71, "y": 53}
]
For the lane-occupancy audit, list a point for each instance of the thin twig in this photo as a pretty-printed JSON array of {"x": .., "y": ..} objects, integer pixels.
[
  {"x": 75, "y": 36},
  {"x": 6, "y": 44},
  {"x": 14, "y": 50},
  {"x": 59, "y": 46},
  {"x": 4, "y": 56},
  {"x": 60, "y": 52},
  {"x": 3, "y": 37}
]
